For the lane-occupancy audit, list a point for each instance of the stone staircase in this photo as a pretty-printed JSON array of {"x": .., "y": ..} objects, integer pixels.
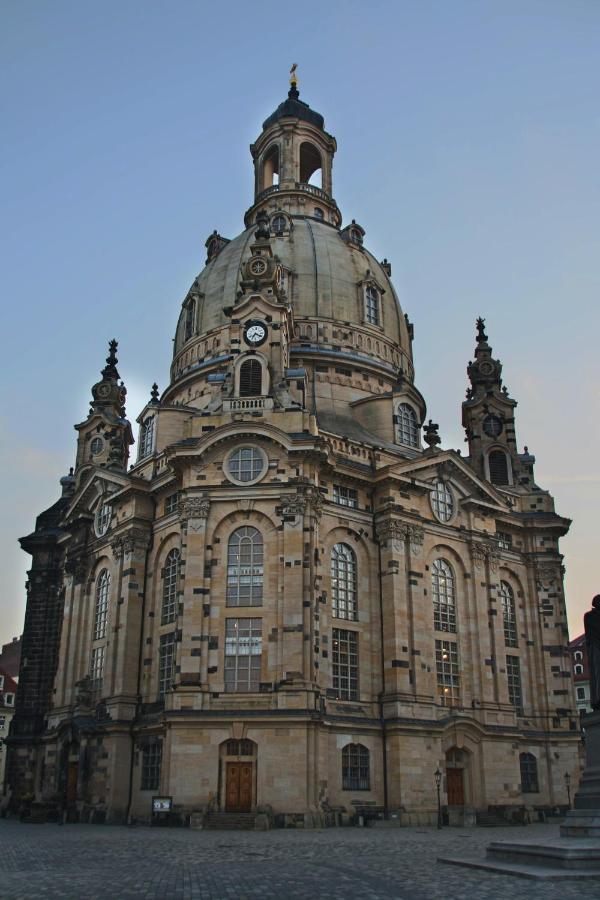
[
  {"x": 490, "y": 819},
  {"x": 234, "y": 821}
]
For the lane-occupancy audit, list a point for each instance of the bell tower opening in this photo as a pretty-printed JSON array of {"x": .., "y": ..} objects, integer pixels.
[
  {"x": 270, "y": 167},
  {"x": 311, "y": 165}
]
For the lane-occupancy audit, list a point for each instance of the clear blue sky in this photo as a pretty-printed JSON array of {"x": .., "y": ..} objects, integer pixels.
[{"x": 468, "y": 146}]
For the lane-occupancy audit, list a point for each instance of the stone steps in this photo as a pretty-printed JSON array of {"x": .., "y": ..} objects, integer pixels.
[
  {"x": 234, "y": 821},
  {"x": 556, "y": 859}
]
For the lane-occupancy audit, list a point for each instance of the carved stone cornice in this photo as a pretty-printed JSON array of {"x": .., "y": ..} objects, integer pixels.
[
  {"x": 77, "y": 565},
  {"x": 549, "y": 574},
  {"x": 401, "y": 533},
  {"x": 307, "y": 500},
  {"x": 482, "y": 553}
]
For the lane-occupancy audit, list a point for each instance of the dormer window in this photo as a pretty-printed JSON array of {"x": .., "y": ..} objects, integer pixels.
[
  {"x": 188, "y": 329},
  {"x": 372, "y": 304},
  {"x": 279, "y": 224},
  {"x": 96, "y": 446},
  {"x": 146, "y": 438},
  {"x": 407, "y": 430},
  {"x": 319, "y": 214}
]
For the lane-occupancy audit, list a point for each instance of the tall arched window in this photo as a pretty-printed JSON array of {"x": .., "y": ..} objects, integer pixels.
[
  {"x": 170, "y": 585},
  {"x": 344, "y": 603},
  {"x": 270, "y": 168},
  {"x": 407, "y": 430},
  {"x": 188, "y": 330},
  {"x": 498, "y": 464},
  {"x": 372, "y": 305},
  {"x": 310, "y": 165},
  {"x": 355, "y": 768},
  {"x": 251, "y": 378},
  {"x": 245, "y": 567},
  {"x": 444, "y": 599},
  {"x": 101, "y": 608},
  {"x": 529, "y": 773},
  {"x": 509, "y": 614},
  {"x": 146, "y": 437}
]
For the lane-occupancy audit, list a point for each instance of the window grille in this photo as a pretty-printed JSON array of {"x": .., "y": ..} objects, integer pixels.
[
  {"x": 251, "y": 378},
  {"x": 170, "y": 586},
  {"x": 355, "y": 768},
  {"x": 529, "y": 773},
  {"x": 189, "y": 320},
  {"x": 345, "y": 496},
  {"x": 448, "y": 672},
  {"x": 245, "y": 568},
  {"x": 513, "y": 673},
  {"x": 246, "y": 464},
  {"x": 442, "y": 501},
  {"x": 509, "y": 614},
  {"x": 97, "y": 668},
  {"x": 166, "y": 662},
  {"x": 146, "y": 438},
  {"x": 407, "y": 431},
  {"x": 372, "y": 305},
  {"x": 344, "y": 658},
  {"x": 101, "y": 608},
  {"x": 498, "y": 464},
  {"x": 151, "y": 764},
  {"x": 103, "y": 517},
  {"x": 172, "y": 503},
  {"x": 344, "y": 583},
  {"x": 444, "y": 600},
  {"x": 243, "y": 654},
  {"x": 504, "y": 540}
]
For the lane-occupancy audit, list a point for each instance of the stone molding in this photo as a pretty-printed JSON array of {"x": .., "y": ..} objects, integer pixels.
[
  {"x": 484, "y": 552},
  {"x": 309, "y": 500},
  {"x": 402, "y": 533},
  {"x": 194, "y": 508},
  {"x": 128, "y": 543}
]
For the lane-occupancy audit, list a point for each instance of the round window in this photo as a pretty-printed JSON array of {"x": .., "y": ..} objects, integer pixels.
[
  {"x": 246, "y": 465},
  {"x": 258, "y": 267},
  {"x": 442, "y": 501},
  {"x": 492, "y": 425},
  {"x": 278, "y": 224},
  {"x": 96, "y": 446},
  {"x": 103, "y": 517}
]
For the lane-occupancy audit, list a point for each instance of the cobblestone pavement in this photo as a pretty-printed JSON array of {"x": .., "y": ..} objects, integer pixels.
[{"x": 100, "y": 861}]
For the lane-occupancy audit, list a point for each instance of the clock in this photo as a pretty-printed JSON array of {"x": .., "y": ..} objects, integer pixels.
[
  {"x": 492, "y": 426},
  {"x": 258, "y": 267},
  {"x": 255, "y": 333}
]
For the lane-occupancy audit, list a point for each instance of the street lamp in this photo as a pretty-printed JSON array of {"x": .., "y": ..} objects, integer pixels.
[
  {"x": 438, "y": 782},
  {"x": 568, "y": 784}
]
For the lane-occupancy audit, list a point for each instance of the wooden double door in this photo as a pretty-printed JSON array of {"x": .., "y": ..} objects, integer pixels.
[
  {"x": 238, "y": 787},
  {"x": 455, "y": 786}
]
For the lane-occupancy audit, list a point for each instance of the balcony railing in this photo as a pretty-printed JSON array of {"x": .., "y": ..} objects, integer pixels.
[
  {"x": 299, "y": 186},
  {"x": 247, "y": 404}
]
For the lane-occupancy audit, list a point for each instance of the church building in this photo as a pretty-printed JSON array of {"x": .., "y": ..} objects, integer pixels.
[{"x": 290, "y": 601}]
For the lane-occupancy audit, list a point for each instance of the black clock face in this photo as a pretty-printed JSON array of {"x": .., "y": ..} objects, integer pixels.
[
  {"x": 492, "y": 426},
  {"x": 255, "y": 333}
]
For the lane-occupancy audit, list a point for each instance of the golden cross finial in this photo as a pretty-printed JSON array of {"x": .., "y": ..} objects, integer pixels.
[{"x": 293, "y": 76}]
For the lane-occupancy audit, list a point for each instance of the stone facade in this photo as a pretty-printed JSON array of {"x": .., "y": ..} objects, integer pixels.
[{"x": 287, "y": 603}]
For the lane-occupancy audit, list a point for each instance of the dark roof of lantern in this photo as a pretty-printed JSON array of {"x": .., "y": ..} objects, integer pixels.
[{"x": 297, "y": 109}]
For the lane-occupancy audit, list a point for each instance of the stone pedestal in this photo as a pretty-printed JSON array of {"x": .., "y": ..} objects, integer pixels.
[{"x": 584, "y": 819}]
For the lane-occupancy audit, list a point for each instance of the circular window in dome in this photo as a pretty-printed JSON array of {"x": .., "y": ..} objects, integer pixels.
[
  {"x": 247, "y": 465},
  {"x": 278, "y": 224},
  {"x": 492, "y": 425},
  {"x": 102, "y": 520},
  {"x": 96, "y": 446},
  {"x": 442, "y": 501}
]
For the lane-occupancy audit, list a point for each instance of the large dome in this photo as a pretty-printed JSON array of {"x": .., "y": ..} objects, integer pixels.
[{"x": 326, "y": 273}]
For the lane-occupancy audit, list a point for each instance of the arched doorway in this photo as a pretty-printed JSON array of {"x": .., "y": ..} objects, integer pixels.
[
  {"x": 457, "y": 764},
  {"x": 238, "y": 775}
]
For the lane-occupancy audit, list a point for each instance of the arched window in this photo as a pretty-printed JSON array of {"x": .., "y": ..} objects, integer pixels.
[
  {"x": 146, "y": 437},
  {"x": 310, "y": 165},
  {"x": 529, "y": 773},
  {"x": 578, "y": 669},
  {"x": 509, "y": 614},
  {"x": 271, "y": 167},
  {"x": 372, "y": 305},
  {"x": 278, "y": 224},
  {"x": 189, "y": 320},
  {"x": 170, "y": 585},
  {"x": 355, "y": 768},
  {"x": 318, "y": 214},
  {"x": 444, "y": 598},
  {"x": 101, "y": 608},
  {"x": 407, "y": 431},
  {"x": 578, "y": 654},
  {"x": 250, "y": 378},
  {"x": 498, "y": 464},
  {"x": 343, "y": 583},
  {"x": 245, "y": 567},
  {"x": 442, "y": 501}
]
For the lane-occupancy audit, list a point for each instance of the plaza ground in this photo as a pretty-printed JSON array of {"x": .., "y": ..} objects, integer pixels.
[{"x": 96, "y": 861}]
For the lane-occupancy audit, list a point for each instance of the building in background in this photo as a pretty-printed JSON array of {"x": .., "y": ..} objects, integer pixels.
[
  {"x": 581, "y": 675},
  {"x": 8, "y": 693},
  {"x": 294, "y": 600},
  {"x": 10, "y": 657}
]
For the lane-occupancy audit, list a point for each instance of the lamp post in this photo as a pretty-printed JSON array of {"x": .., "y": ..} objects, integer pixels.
[
  {"x": 568, "y": 784},
  {"x": 438, "y": 782}
]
